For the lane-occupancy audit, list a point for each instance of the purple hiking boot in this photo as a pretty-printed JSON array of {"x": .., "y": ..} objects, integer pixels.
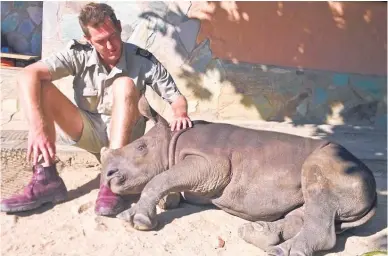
[
  {"x": 108, "y": 203},
  {"x": 45, "y": 187}
]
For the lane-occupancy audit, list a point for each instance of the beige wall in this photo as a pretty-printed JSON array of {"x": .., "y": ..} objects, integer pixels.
[{"x": 337, "y": 36}]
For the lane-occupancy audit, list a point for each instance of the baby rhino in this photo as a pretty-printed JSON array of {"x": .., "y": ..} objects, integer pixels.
[{"x": 296, "y": 192}]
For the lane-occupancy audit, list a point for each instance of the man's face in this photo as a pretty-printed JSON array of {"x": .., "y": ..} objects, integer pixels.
[{"x": 107, "y": 41}]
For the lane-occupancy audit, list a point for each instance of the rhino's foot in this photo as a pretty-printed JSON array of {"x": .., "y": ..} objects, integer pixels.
[
  {"x": 267, "y": 234},
  {"x": 296, "y": 246},
  {"x": 139, "y": 220},
  {"x": 260, "y": 234},
  {"x": 170, "y": 201},
  {"x": 144, "y": 223},
  {"x": 276, "y": 251}
]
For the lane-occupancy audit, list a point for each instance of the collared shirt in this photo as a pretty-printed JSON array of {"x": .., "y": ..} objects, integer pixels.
[{"x": 92, "y": 82}]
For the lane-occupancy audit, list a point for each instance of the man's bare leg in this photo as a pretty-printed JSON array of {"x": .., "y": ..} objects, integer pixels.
[
  {"x": 125, "y": 114},
  {"x": 46, "y": 185},
  {"x": 59, "y": 109}
]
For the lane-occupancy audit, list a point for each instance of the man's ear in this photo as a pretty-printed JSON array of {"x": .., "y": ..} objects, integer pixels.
[{"x": 119, "y": 26}]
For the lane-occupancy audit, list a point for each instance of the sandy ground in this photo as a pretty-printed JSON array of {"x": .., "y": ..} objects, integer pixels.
[{"x": 72, "y": 228}]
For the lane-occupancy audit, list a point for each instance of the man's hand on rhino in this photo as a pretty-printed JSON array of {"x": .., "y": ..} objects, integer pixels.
[
  {"x": 139, "y": 217},
  {"x": 181, "y": 123},
  {"x": 181, "y": 120}
]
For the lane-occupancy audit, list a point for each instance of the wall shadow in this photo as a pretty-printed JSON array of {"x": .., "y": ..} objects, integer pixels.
[{"x": 293, "y": 93}]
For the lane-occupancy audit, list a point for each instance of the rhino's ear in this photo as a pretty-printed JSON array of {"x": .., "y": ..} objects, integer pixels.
[
  {"x": 146, "y": 110},
  {"x": 103, "y": 153}
]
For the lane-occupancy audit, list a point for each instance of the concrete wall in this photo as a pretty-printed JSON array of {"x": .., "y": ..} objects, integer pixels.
[
  {"x": 255, "y": 60},
  {"x": 348, "y": 37},
  {"x": 21, "y": 26}
]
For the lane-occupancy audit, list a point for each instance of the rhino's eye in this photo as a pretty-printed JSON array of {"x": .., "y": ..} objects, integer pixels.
[{"x": 141, "y": 147}]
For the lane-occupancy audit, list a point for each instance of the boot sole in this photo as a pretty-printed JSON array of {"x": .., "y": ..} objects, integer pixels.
[{"x": 34, "y": 205}]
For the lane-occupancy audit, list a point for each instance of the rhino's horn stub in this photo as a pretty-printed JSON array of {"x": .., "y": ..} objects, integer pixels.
[
  {"x": 103, "y": 152},
  {"x": 146, "y": 110}
]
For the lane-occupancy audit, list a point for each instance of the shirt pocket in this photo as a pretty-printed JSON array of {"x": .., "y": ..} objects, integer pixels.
[
  {"x": 90, "y": 95},
  {"x": 86, "y": 96}
]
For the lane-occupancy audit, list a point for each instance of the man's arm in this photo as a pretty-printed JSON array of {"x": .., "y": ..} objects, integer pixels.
[
  {"x": 29, "y": 87},
  {"x": 41, "y": 138},
  {"x": 164, "y": 85}
]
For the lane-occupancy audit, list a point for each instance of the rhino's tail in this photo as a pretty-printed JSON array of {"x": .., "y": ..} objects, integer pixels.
[{"x": 343, "y": 226}]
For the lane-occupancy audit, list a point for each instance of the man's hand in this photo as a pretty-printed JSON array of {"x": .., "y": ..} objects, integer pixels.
[
  {"x": 181, "y": 123},
  {"x": 181, "y": 120},
  {"x": 39, "y": 143}
]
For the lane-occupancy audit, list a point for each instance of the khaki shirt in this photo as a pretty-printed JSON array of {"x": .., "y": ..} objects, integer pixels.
[{"x": 92, "y": 83}]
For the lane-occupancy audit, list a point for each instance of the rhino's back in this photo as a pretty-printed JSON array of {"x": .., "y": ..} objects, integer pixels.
[
  {"x": 220, "y": 138},
  {"x": 266, "y": 166}
]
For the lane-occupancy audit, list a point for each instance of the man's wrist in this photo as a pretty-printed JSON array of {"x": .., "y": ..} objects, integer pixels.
[
  {"x": 179, "y": 107},
  {"x": 36, "y": 119}
]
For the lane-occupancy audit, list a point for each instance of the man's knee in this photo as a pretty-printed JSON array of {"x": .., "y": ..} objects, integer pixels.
[{"x": 124, "y": 87}]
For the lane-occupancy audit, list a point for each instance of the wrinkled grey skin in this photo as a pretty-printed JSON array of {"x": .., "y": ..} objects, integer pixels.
[{"x": 296, "y": 192}]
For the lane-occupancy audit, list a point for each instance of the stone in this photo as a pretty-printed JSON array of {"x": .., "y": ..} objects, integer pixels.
[
  {"x": 10, "y": 23},
  {"x": 127, "y": 32},
  {"x": 70, "y": 28},
  {"x": 188, "y": 32},
  {"x": 9, "y": 105},
  {"x": 155, "y": 8},
  {"x": 164, "y": 42},
  {"x": 36, "y": 14},
  {"x": 19, "y": 5},
  {"x": 36, "y": 44},
  {"x": 5, "y": 8},
  {"x": 340, "y": 79},
  {"x": 319, "y": 96},
  {"x": 369, "y": 87},
  {"x": 50, "y": 21},
  {"x": 180, "y": 8},
  {"x": 200, "y": 57},
  {"x": 26, "y": 27},
  {"x": 18, "y": 41}
]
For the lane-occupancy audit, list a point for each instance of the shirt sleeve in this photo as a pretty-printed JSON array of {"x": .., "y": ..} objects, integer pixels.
[
  {"x": 161, "y": 80},
  {"x": 62, "y": 63}
]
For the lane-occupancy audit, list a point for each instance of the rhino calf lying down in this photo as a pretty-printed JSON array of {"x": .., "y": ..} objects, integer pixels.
[{"x": 296, "y": 192}]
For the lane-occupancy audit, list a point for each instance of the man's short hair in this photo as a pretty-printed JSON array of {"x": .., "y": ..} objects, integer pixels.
[{"x": 94, "y": 14}]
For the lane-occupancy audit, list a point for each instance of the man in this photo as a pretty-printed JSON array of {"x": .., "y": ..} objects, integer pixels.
[{"x": 109, "y": 78}]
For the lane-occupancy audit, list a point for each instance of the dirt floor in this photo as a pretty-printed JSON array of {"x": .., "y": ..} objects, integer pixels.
[{"x": 72, "y": 228}]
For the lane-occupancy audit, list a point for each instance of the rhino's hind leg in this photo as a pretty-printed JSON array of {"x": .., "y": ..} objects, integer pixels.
[
  {"x": 266, "y": 234},
  {"x": 170, "y": 201},
  {"x": 320, "y": 208}
]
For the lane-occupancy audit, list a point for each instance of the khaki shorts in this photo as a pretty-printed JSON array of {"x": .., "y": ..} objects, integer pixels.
[{"x": 95, "y": 133}]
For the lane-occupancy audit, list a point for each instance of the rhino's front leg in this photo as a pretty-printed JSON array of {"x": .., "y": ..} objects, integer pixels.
[{"x": 200, "y": 174}]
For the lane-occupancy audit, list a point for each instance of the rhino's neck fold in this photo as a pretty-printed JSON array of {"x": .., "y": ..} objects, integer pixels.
[{"x": 172, "y": 147}]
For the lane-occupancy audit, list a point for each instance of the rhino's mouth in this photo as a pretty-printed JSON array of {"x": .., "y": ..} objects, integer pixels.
[
  {"x": 125, "y": 186},
  {"x": 120, "y": 184},
  {"x": 116, "y": 181}
]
